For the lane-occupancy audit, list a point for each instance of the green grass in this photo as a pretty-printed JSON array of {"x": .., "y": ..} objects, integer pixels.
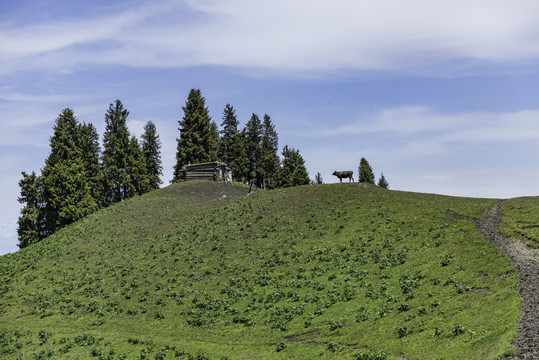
[
  {"x": 325, "y": 271},
  {"x": 521, "y": 220}
]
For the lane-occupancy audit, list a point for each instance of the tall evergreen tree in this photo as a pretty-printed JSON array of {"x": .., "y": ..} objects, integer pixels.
[
  {"x": 232, "y": 148},
  {"x": 318, "y": 179},
  {"x": 31, "y": 223},
  {"x": 382, "y": 182},
  {"x": 151, "y": 151},
  {"x": 241, "y": 162},
  {"x": 293, "y": 172},
  {"x": 214, "y": 142},
  {"x": 270, "y": 163},
  {"x": 196, "y": 143},
  {"x": 231, "y": 144},
  {"x": 300, "y": 176},
  {"x": 366, "y": 175},
  {"x": 66, "y": 192},
  {"x": 117, "y": 183},
  {"x": 90, "y": 153},
  {"x": 136, "y": 168},
  {"x": 69, "y": 187},
  {"x": 253, "y": 139}
]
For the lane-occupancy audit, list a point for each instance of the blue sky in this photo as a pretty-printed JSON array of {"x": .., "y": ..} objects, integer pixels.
[{"x": 441, "y": 97}]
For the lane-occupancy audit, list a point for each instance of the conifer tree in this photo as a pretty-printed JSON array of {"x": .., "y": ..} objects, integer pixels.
[
  {"x": 136, "y": 168},
  {"x": 318, "y": 179},
  {"x": 196, "y": 143},
  {"x": 214, "y": 142},
  {"x": 232, "y": 145},
  {"x": 231, "y": 150},
  {"x": 58, "y": 167},
  {"x": 300, "y": 176},
  {"x": 241, "y": 162},
  {"x": 366, "y": 175},
  {"x": 270, "y": 163},
  {"x": 151, "y": 151},
  {"x": 293, "y": 172},
  {"x": 288, "y": 167},
  {"x": 253, "y": 138},
  {"x": 31, "y": 222},
  {"x": 90, "y": 153},
  {"x": 114, "y": 161},
  {"x": 382, "y": 182},
  {"x": 67, "y": 193},
  {"x": 70, "y": 185}
]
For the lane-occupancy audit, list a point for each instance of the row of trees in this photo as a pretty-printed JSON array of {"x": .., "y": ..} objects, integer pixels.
[
  {"x": 251, "y": 153},
  {"x": 78, "y": 179}
]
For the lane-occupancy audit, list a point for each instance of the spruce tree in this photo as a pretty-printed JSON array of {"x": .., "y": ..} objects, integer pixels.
[
  {"x": 382, "y": 182},
  {"x": 151, "y": 151},
  {"x": 270, "y": 163},
  {"x": 253, "y": 138},
  {"x": 300, "y": 176},
  {"x": 318, "y": 179},
  {"x": 70, "y": 185},
  {"x": 197, "y": 142},
  {"x": 366, "y": 175},
  {"x": 67, "y": 193},
  {"x": 213, "y": 146},
  {"x": 231, "y": 150},
  {"x": 288, "y": 167},
  {"x": 293, "y": 172},
  {"x": 241, "y": 162},
  {"x": 90, "y": 153},
  {"x": 114, "y": 161},
  {"x": 136, "y": 168},
  {"x": 31, "y": 222}
]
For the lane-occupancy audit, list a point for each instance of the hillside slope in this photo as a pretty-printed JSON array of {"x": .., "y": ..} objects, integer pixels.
[{"x": 326, "y": 271}]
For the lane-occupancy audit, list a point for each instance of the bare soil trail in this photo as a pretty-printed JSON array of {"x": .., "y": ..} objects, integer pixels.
[{"x": 526, "y": 263}]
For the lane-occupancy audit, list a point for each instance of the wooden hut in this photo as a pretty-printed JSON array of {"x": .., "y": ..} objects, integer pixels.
[{"x": 214, "y": 171}]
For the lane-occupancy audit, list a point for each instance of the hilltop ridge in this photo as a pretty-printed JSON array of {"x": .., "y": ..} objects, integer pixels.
[{"x": 325, "y": 271}]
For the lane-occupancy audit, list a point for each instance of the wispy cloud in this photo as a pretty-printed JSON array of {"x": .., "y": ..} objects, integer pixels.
[
  {"x": 28, "y": 98},
  {"x": 28, "y": 114},
  {"x": 284, "y": 36},
  {"x": 422, "y": 121},
  {"x": 422, "y": 149}
]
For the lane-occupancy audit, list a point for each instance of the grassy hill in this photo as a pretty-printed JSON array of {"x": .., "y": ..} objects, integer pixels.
[
  {"x": 521, "y": 220},
  {"x": 198, "y": 270}
]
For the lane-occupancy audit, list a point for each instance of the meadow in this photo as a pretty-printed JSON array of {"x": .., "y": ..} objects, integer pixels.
[
  {"x": 521, "y": 220},
  {"x": 199, "y": 270}
]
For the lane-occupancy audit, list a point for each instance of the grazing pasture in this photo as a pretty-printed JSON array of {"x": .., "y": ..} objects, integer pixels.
[
  {"x": 521, "y": 220},
  {"x": 199, "y": 271}
]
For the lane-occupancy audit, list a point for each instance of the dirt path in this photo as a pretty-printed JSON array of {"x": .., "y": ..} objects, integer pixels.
[{"x": 527, "y": 267}]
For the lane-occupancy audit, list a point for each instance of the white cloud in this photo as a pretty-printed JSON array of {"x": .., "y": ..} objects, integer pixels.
[
  {"x": 51, "y": 36},
  {"x": 469, "y": 127},
  {"x": 405, "y": 170},
  {"x": 478, "y": 154},
  {"x": 284, "y": 36},
  {"x": 20, "y": 97}
]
